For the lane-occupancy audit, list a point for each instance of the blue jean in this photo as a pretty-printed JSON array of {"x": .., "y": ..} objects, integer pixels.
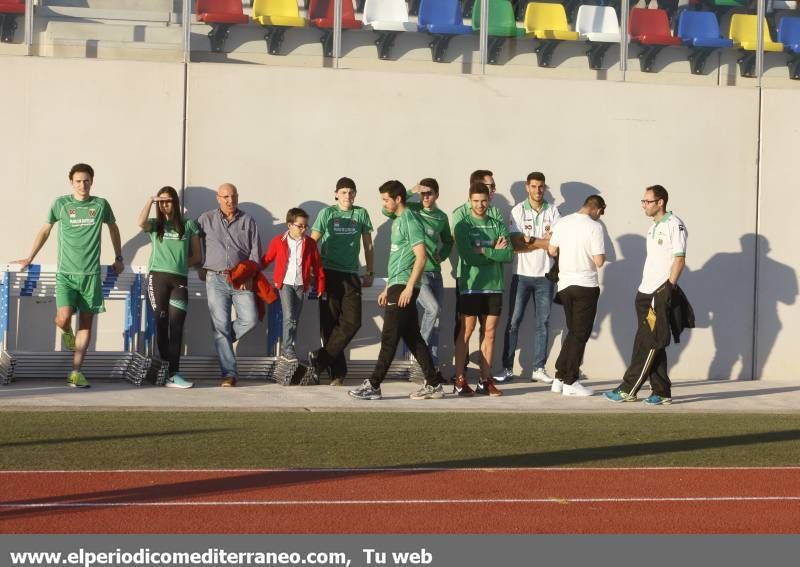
[
  {"x": 431, "y": 296},
  {"x": 221, "y": 296},
  {"x": 522, "y": 289},
  {"x": 291, "y": 307}
]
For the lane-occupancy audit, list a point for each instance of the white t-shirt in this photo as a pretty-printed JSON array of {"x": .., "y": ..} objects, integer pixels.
[
  {"x": 666, "y": 239},
  {"x": 578, "y": 238},
  {"x": 527, "y": 222},
  {"x": 294, "y": 264}
]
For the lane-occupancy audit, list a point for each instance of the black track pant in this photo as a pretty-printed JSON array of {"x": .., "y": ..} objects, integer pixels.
[
  {"x": 339, "y": 319},
  {"x": 649, "y": 357},
  {"x": 580, "y": 307},
  {"x": 402, "y": 323},
  {"x": 169, "y": 299}
]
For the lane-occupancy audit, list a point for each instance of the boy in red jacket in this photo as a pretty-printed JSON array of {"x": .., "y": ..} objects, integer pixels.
[{"x": 297, "y": 264}]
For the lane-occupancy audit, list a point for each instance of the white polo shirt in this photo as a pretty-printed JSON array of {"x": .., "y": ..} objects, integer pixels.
[
  {"x": 525, "y": 220},
  {"x": 578, "y": 238},
  {"x": 666, "y": 240}
]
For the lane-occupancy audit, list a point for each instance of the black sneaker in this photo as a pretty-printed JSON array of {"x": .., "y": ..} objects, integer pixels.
[{"x": 312, "y": 366}]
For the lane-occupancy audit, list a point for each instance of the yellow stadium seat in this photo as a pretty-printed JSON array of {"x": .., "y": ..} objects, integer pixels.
[
  {"x": 548, "y": 21},
  {"x": 283, "y": 13},
  {"x": 743, "y": 32}
]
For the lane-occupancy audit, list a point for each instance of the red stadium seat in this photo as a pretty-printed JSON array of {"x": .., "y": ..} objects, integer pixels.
[
  {"x": 9, "y": 10},
  {"x": 320, "y": 13},
  {"x": 650, "y": 28},
  {"x": 220, "y": 15}
]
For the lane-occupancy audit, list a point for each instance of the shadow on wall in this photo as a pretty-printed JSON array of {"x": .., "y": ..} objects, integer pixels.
[{"x": 732, "y": 339}]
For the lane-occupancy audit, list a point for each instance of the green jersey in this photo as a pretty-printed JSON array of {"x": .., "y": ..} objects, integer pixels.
[
  {"x": 340, "y": 243},
  {"x": 79, "y": 232},
  {"x": 465, "y": 210},
  {"x": 407, "y": 232},
  {"x": 481, "y": 273},
  {"x": 171, "y": 253},
  {"x": 438, "y": 239}
]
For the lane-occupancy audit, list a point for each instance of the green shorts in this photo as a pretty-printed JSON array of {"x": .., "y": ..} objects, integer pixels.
[{"x": 83, "y": 293}]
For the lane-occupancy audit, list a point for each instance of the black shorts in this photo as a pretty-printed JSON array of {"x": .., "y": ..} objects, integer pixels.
[{"x": 478, "y": 304}]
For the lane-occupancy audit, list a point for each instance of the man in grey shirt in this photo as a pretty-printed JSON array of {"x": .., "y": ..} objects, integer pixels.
[{"x": 229, "y": 236}]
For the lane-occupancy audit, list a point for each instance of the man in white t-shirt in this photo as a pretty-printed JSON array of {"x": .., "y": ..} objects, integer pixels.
[
  {"x": 532, "y": 221},
  {"x": 666, "y": 258},
  {"x": 579, "y": 242}
]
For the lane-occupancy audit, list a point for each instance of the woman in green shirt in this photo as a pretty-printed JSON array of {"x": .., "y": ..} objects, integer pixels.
[{"x": 173, "y": 238}]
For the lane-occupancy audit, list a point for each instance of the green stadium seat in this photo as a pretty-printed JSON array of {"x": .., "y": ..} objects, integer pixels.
[{"x": 502, "y": 25}]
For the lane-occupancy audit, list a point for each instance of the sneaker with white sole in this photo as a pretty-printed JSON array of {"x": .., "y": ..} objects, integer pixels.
[
  {"x": 656, "y": 400},
  {"x": 428, "y": 392},
  {"x": 540, "y": 375},
  {"x": 576, "y": 389},
  {"x": 557, "y": 386},
  {"x": 619, "y": 395},
  {"x": 76, "y": 379},
  {"x": 507, "y": 375},
  {"x": 366, "y": 392},
  {"x": 178, "y": 381}
]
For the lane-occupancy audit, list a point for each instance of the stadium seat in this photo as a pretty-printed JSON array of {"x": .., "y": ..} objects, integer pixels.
[
  {"x": 502, "y": 25},
  {"x": 320, "y": 14},
  {"x": 547, "y": 23},
  {"x": 650, "y": 28},
  {"x": 743, "y": 32},
  {"x": 570, "y": 7},
  {"x": 388, "y": 18},
  {"x": 599, "y": 27},
  {"x": 700, "y": 31},
  {"x": 277, "y": 16},
  {"x": 441, "y": 19},
  {"x": 9, "y": 10},
  {"x": 789, "y": 36},
  {"x": 220, "y": 15}
]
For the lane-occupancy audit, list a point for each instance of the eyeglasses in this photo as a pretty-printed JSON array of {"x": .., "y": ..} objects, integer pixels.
[
  {"x": 490, "y": 185},
  {"x": 303, "y": 227},
  {"x": 646, "y": 202}
]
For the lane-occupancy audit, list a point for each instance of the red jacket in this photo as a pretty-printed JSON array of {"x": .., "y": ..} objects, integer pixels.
[
  {"x": 278, "y": 252},
  {"x": 264, "y": 292}
]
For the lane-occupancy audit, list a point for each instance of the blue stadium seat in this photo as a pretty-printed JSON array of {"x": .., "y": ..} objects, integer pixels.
[
  {"x": 700, "y": 31},
  {"x": 789, "y": 35},
  {"x": 442, "y": 19}
]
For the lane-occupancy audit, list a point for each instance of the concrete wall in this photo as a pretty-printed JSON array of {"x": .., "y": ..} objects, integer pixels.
[{"x": 284, "y": 135}]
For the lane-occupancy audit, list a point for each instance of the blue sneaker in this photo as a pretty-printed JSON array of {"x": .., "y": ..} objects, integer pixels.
[
  {"x": 178, "y": 381},
  {"x": 656, "y": 400},
  {"x": 618, "y": 396}
]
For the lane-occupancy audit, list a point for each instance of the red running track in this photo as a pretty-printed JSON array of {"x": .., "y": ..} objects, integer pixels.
[{"x": 547, "y": 501}]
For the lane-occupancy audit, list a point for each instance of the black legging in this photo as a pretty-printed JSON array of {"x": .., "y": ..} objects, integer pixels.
[{"x": 169, "y": 298}]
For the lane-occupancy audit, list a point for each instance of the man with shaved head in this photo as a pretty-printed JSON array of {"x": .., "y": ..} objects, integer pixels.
[{"x": 229, "y": 236}]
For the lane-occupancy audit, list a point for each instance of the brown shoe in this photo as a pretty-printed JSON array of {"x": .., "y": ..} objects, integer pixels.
[
  {"x": 487, "y": 388},
  {"x": 337, "y": 381},
  {"x": 229, "y": 382}
]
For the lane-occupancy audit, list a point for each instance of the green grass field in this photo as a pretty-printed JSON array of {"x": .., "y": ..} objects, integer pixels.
[{"x": 45, "y": 440}]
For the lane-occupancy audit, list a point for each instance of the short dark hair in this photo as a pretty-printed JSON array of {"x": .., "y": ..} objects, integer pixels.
[
  {"x": 478, "y": 187},
  {"x": 295, "y": 213},
  {"x": 394, "y": 189},
  {"x": 595, "y": 201},
  {"x": 81, "y": 168},
  {"x": 535, "y": 176},
  {"x": 478, "y": 175},
  {"x": 659, "y": 193},
  {"x": 431, "y": 184},
  {"x": 345, "y": 183}
]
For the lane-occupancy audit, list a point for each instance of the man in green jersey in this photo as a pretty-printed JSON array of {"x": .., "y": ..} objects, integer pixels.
[
  {"x": 459, "y": 213},
  {"x": 341, "y": 229},
  {"x": 79, "y": 283},
  {"x": 438, "y": 244},
  {"x": 483, "y": 247},
  {"x": 406, "y": 264}
]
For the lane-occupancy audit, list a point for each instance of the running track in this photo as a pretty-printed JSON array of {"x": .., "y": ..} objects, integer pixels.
[{"x": 621, "y": 500}]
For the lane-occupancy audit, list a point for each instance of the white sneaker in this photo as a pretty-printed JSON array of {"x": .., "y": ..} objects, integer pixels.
[
  {"x": 557, "y": 386},
  {"x": 576, "y": 389},
  {"x": 539, "y": 375},
  {"x": 507, "y": 375}
]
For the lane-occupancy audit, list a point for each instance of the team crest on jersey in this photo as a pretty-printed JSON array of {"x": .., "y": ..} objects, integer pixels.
[
  {"x": 681, "y": 227},
  {"x": 72, "y": 213},
  {"x": 528, "y": 227},
  {"x": 547, "y": 228},
  {"x": 92, "y": 212}
]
